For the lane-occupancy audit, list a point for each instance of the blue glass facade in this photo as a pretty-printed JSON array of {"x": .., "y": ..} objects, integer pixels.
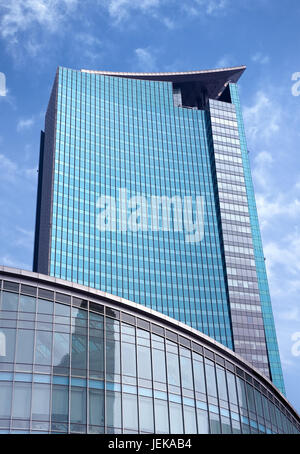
[{"x": 130, "y": 140}]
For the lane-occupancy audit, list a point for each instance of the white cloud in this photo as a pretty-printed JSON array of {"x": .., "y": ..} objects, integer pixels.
[
  {"x": 146, "y": 59},
  {"x": 22, "y": 16},
  {"x": 262, "y": 119},
  {"x": 25, "y": 123},
  {"x": 260, "y": 58},
  {"x": 213, "y": 6},
  {"x": 10, "y": 172},
  {"x": 120, "y": 9}
]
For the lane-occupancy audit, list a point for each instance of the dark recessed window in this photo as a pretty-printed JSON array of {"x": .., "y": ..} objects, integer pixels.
[
  {"x": 208, "y": 354},
  {"x": 96, "y": 307},
  {"x": 157, "y": 330},
  {"x": 128, "y": 318},
  {"x": 62, "y": 298},
  {"x": 79, "y": 302},
  {"x": 112, "y": 313},
  {"x": 47, "y": 294},
  {"x": 171, "y": 336},
  {"x": 197, "y": 348},
  {"x": 184, "y": 341},
  {"x": 12, "y": 286},
  {"x": 28, "y": 290},
  {"x": 143, "y": 324}
]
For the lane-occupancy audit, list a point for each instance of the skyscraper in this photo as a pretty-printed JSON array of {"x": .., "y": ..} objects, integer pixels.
[{"x": 145, "y": 193}]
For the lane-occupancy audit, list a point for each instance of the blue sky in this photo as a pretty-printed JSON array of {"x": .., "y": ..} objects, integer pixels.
[{"x": 164, "y": 35}]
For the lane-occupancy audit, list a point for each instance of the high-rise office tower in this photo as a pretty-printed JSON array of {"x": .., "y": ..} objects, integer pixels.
[{"x": 145, "y": 193}]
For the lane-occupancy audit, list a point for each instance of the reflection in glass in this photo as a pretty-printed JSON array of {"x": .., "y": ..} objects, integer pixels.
[
  {"x": 7, "y": 347},
  {"x": 21, "y": 400},
  {"x": 25, "y": 346},
  {"x": 41, "y": 402},
  {"x": 27, "y": 303},
  {"x": 61, "y": 353},
  {"x": 9, "y": 301},
  {"x": 113, "y": 409},
  {"x": 60, "y": 403},
  {"x": 96, "y": 407},
  {"x": 43, "y": 347},
  {"x": 78, "y": 405}
]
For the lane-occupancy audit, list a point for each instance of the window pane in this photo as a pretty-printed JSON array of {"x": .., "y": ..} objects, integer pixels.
[
  {"x": 9, "y": 301},
  {"x": 60, "y": 403},
  {"x": 144, "y": 362},
  {"x": 231, "y": 388},
  {"x": 210, "y": 379},
  {"x": 96, "y": 407},
  {"x": 199, "y": 377},
  {"x": 173, "y": 369},
  {"x": 43, "y": 347},
  {"x": 25, "y": 346},
  {"x": 190, "y": 426},
  {"x": 146, "y": 414},
  {"x": 186, "y": 372},
  {"x": 202, "y": 419},
  {"x": 78, "y": 405},
  {"x": 176, "y": 422},
  {"x": 27, "y": 303},
  {"x": 7, "y": 345},
  {"x": 22, "y": 400},
  {"x": 112, "y": 358},
  {"x": 130, "y": 419},
  {"x": 45, "y": 307},
  {"x": 61, "y": 354},
  {"x": 215, "y": 427},
  {"x": 113, "y": 409},
  {"x": 222, "y": 388},
  {"x": 128, "y": 359},
  {"x": 5, "y": 399},
  {"x": 161, "y": 416},
  {"x": 159, "y": 367},
  {"x": 41, "y": 402}
]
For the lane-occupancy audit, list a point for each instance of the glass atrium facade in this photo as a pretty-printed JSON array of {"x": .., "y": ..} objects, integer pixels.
[
  {"x": 153, "y": 136},
  {"x": 76, "y": 360}
]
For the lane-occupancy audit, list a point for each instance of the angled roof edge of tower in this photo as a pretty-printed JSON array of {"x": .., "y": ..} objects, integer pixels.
[
  {"x": 215, "y": 80},
  {"x": 235, "y": 72}
]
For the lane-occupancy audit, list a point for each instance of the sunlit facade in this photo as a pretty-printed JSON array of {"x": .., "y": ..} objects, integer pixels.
[{"x": 131, "y": 138}]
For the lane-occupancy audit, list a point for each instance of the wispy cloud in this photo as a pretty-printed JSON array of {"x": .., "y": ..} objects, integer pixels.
[
  {"x": 21, "y": 16},
  {"x": 260, "y": 58},
  {"x": 11, "y": 172},
  {"x": 120, "y": 10},
  {"x": 262, "y": 118},
  {"x": 25, "y": 123},
  {"x": 146, "y": 59}
]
